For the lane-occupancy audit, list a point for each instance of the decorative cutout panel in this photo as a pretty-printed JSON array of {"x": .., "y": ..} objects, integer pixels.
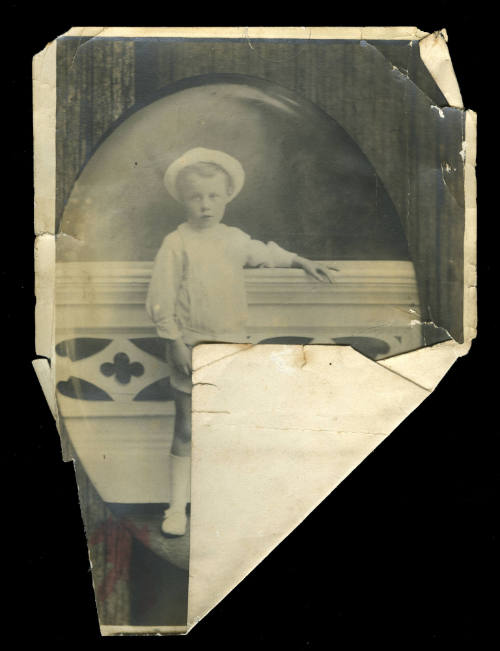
[{"x": 75, "y": 387}]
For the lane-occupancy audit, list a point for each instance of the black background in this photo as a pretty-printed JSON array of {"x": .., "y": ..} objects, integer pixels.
[{"x": 403, "y": 551}]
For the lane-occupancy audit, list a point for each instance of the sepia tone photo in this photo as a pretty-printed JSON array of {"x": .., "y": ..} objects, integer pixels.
[{"x": 216, "y": 189}]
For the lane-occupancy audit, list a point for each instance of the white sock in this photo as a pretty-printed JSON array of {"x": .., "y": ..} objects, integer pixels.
[{"x": 180, "y": 482}]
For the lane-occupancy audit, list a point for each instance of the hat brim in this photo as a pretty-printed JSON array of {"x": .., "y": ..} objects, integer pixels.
[{"x": 201, "y": 155}]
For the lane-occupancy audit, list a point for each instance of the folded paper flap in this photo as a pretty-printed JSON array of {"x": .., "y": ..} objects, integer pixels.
[
  {"x": 265, "y": 454},
  {"x": 435, "y": 55},
  {"x": 318, "y": 374}
]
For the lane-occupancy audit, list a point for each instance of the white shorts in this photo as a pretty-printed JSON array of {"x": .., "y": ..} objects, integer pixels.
[{"x": 180, "y": 381}]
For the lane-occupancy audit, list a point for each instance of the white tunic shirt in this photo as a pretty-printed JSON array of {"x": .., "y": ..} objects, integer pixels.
[{"x": 197, "y": 289}]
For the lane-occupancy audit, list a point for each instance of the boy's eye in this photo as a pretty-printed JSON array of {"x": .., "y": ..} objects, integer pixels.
[{"x": 213, "y": 195}]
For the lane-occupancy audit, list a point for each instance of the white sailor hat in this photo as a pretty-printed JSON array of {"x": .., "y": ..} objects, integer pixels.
[{"x": 201, "y": 155}]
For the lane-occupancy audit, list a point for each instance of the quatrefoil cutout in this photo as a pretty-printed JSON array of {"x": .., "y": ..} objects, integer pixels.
[{"x": 122, "y": 368}]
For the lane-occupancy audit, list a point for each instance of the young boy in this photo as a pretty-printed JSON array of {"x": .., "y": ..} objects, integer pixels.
[{"x": 197, "y": 290}]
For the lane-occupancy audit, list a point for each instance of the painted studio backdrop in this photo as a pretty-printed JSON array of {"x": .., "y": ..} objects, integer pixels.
[{"x": 351, "y": 156}]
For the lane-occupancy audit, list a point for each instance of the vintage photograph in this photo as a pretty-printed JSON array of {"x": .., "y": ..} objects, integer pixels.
[{"x": 217, "y": 189}]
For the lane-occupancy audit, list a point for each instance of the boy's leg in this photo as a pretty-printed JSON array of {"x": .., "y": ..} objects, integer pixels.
[
  {"x": 181, "y": 445},
  {"x": 175, "y": 520}
]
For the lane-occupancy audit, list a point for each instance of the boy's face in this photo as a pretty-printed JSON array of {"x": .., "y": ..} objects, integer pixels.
[{"x": 204, "y": 199}]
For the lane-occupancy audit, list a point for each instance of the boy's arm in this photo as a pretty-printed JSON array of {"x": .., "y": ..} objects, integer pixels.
[
  {"x": 315, "y": 269},
  {"x": 161, "y": 302},
  {"x": 272, "y": 255},
  {"x": 162, "y": 292},
  {"x": 259, "y": 254}
]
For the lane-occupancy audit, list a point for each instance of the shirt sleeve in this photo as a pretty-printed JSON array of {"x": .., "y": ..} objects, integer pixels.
[
  {"x": 267, "y": 255},
  {"x": 163, "y": 290}
]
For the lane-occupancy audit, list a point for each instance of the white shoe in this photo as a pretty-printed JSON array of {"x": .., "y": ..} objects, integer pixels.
[{"x": 174, "y": 523}]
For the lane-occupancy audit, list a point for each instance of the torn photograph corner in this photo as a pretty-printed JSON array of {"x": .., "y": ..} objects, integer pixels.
[{"x": 288, "y": 210}]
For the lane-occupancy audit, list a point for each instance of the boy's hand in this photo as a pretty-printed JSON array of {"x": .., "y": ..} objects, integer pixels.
[
  {"x": 180, "y": 356},
  {"x": 315, "y": 269}
]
